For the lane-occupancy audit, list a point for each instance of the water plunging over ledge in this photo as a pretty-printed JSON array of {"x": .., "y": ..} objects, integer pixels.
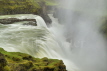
[
  {"x": 84, "y": 52},
  {"x": 39, "y": 41},
  {"x": 82, "y": 21}
]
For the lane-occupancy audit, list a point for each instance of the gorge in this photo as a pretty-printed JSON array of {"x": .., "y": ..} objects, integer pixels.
[{"x": 71, "y": 34}]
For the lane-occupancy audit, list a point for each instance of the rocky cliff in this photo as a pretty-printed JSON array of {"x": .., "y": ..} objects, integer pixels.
[
  {"x": 38, "y": 7},
  {"x": 15, "y": 61}
]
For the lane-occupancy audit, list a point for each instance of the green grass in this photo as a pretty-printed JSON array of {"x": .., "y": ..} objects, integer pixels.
[
  {"x": 23, "y": 6},
  {"x": 51, "y": 2},
  {"x": 19, "y": 6},
  {"x": 17, "y": 61}
]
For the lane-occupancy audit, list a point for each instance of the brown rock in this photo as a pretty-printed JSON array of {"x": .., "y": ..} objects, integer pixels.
[{"x": 13, "y": 20}]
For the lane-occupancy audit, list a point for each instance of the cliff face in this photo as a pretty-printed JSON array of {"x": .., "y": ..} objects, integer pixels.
[
  {"x": 15, "y": 61},
  {"x": 38, "y": 7}
]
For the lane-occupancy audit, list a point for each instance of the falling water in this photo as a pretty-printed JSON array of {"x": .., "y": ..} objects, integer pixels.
[
  {"x": 77, "y": 41},
  {"x": 82, "y": 21},
  {"x": 38, "y": 41}
]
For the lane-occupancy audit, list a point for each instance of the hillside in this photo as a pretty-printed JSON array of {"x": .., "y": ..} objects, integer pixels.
[
  {"x": 15, "y": 61},
  {"x": 38, "y": 7}
]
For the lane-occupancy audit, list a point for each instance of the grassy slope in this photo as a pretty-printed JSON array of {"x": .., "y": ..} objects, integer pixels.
[
  {"x": 16, "y": 61},
  {"x": 19, "y": 6},
  {"x": 22, "y": 6},
  {"x": 50, "y": 2}
]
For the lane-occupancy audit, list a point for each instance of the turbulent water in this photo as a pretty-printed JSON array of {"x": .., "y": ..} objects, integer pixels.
[
  {"x": 39, "y": 41},
  {"x": 77, "y": 41},
  {"x": 34, "y": 40},
  {"x": 82, "y": 20}
]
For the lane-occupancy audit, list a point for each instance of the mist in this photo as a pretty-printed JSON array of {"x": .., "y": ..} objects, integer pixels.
[{"x": 82, "y": 21}]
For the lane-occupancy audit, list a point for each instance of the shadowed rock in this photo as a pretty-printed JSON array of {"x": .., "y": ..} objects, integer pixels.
[{"x": 13, "y": 20}]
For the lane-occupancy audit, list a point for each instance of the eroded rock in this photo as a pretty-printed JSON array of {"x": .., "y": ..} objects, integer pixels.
[{"x": 13, "y": 20}]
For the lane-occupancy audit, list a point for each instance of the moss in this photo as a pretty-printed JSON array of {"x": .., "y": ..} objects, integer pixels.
[
  {"x": 18, "y": 6},
  {"x": 22, "y": 6},
  {"x": 38, "y": 7},
  {"x": 51, "y": 2},
  {"x": 6, "y": 68},
  {"x": 16, "y": 61}
]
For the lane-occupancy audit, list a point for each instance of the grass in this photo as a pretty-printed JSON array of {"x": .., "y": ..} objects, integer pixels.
[
  {"x": 23, "y": 6},
  {"x": 21, "y": 61}
]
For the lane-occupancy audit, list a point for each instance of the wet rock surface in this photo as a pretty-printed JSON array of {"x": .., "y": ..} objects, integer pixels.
[{"x": 13, "y": 20}]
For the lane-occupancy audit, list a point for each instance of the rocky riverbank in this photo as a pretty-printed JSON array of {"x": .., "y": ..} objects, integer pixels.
[
  {"x": 38, "y": 7},
  {"x": 15, "y": 61}
]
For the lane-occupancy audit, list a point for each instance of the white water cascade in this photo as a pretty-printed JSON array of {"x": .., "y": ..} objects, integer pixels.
[
  {"x": 82, "y": 22},
  {"x": 85, "y": 51},
  {"x": 38, "y": 41}
]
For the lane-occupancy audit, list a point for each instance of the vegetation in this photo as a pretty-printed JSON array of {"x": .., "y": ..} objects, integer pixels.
[
  {"x": 23, "y": 6},
  {"x": 16, "y": 61},
  {"x": 50, "y": 2},
  {"x": 18, "y": 6}
]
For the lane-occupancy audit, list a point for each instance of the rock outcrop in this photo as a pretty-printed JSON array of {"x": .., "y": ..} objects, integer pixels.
[
  {"x": 38, "y": 7},
  {"x": 43, "y": 13},
  {"x": 15, "y": 61},
  {"x": 13, "y": 20}
]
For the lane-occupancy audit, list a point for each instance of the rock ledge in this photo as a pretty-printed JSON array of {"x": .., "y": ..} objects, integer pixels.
[{"x": 15, "y": 61}]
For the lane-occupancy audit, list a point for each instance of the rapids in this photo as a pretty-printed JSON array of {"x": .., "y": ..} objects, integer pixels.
[
  {"x": 38, "y": 41},
  {"x": 85, "y": 51}
]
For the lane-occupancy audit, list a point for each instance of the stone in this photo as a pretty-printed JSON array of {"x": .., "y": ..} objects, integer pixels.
[{"x": 13, "y": 20}]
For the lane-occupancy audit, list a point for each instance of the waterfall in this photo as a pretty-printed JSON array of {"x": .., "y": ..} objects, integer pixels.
[
  {"x": 77, "y": 41},
  {"x": 34, "y": 40},
  {"x": 82, "y": 22},
  {"x": 38, "y": 41}
]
